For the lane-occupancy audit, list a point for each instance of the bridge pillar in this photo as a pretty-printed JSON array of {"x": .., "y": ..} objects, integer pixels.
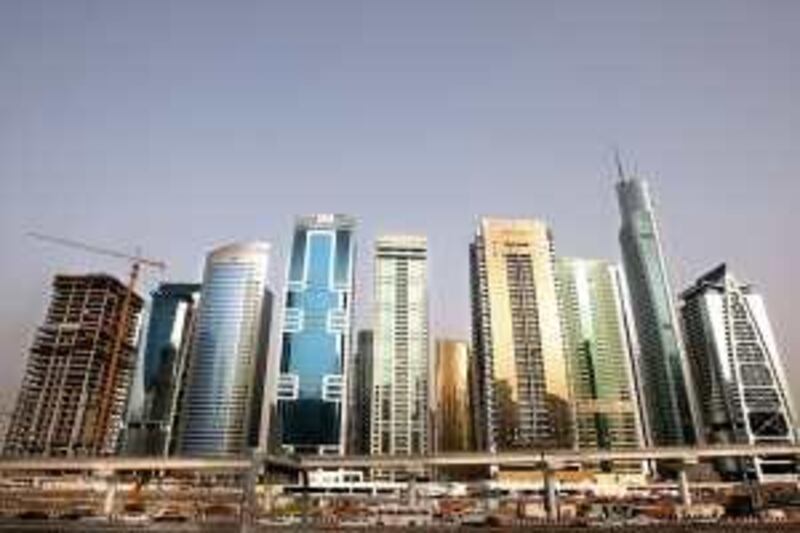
[
  {"x": 109, "y": 499},
  {"x": 550, "y": 494},
  {"x": 683, "y": 487},
  {"x": 249, "y": 505},
  {"x": 753, "y": 487},
  {"x": 306, "y": 499},
  {"x": 265, "y": 502},
  {"x": 412, "y": 490}
]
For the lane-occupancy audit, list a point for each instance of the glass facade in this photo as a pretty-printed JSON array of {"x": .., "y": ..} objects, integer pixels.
[
  {"x": 670, "y": 407},
  {"x": 316, "y": 335},
  {"x": 599, "y": 355},
  {"x": 222, "y": 410},
  {"x": 360, "y": 387},
  {"x": 452, "y": 397},
  {"x": 523, "y": 395},
  {"x": 165, "y": 362}
]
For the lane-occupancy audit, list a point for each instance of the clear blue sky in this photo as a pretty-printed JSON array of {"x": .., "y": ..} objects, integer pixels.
[{"x": 177, "y": 126}]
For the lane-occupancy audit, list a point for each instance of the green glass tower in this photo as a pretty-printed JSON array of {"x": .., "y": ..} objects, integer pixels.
[
  {"x": 598, "y": 350},
  {"x": 670, "y": 408}
]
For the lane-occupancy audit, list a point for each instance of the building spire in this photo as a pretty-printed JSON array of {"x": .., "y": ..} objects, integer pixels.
[{"x": 618, "y": 163}]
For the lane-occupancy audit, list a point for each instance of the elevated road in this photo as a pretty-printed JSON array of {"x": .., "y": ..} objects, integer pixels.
[
  {"x": 553, "y": 459},
  {"x": 143, "y": 464}
]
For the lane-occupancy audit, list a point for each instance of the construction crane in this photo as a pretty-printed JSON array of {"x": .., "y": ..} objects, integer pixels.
[{"x": 137, "y": 262}]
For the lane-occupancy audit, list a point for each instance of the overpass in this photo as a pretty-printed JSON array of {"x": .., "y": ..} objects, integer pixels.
[
  {"x": 552, "y": 458},
  {"x": 548, "y": 460},
  {"x": 544, "y": 458},
  {"x": 146, "y": 464}
]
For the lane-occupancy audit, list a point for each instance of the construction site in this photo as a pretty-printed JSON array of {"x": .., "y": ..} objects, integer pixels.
[
  {"x": 75, "y": 389},
  {"x": 74, "y": 395}
]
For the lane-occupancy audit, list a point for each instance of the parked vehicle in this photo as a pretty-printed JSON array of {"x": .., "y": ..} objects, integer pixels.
[{"x": 404, "y": 516}]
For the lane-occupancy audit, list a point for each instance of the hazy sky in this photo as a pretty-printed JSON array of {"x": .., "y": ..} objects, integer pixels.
[{"x": 178, "y": 126}]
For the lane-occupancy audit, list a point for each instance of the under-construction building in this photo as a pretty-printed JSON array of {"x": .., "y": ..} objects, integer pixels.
[{"x": 75, "y": 389}]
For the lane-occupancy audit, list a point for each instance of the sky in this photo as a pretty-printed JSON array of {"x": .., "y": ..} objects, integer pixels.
[{"x": 178, "y": 126}]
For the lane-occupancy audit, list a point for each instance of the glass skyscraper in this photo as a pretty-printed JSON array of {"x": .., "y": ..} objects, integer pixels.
[
  {"x": 166, "y": 357},
  {"x": 316, "y": 335},
  {"x": 669, "y": 399},
  {"x": 523, "y": 388},
  {"x": 739, "y": 374},
  {"x": 223, "y": 403},
  {"x": 360, "y": 394},
  {"x": 452, "y": 410},
  {"x": 401, "y": 364},
  {"x": 597, "y": 344}
]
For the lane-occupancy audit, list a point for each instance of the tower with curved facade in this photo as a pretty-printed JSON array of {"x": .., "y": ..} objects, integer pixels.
[
  {"x": 316, "y": 335},
  {"x": 222, "y": 406}
]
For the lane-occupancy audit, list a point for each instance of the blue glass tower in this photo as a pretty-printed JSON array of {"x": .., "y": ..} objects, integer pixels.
[
  {"x": 172, "y": 306},
  {"x": 222, "y": 408},
  {"x": 316, "y": 335},
  {"x": 165, "y": 360}
]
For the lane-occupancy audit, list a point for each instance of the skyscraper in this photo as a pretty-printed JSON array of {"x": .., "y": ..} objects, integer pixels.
[
  {"x": 222, "y": 405},
  {"x": 316, "y": 335},
  {"x": 399, "y": 421},
  {"x": 60, "y": 400},
  {"x": 670, "y": 407},
  {"x": 360, "y": 394},
  {"x": 596, "y": 341},
  {"x": 453, "y": 428},
  {"x": 166, "y": 361},
  {"x": 739, "y": 374},
  {"x": 524, "y": 398}
]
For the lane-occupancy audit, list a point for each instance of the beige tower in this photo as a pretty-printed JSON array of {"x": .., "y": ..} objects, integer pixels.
[{"x": 523, "y": 398}]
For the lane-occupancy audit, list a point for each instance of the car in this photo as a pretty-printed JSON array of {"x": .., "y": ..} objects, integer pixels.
[
  {"x": 134, "y": 519},
  {"x": 288, "y": 520},
  {"x": 357, "y": 522}
]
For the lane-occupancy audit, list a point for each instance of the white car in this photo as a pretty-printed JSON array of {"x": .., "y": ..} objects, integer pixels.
[
  {"x": 134, "y": 519},
  {"x": 358, "y": 522},
  {"x": 280, "y": 521}
]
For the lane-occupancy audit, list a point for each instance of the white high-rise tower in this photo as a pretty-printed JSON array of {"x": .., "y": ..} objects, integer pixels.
[
  {"x": 224, "y": 395},
  {"x": 741, "y": 381},
  {"x": 399, "y": 411}
]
